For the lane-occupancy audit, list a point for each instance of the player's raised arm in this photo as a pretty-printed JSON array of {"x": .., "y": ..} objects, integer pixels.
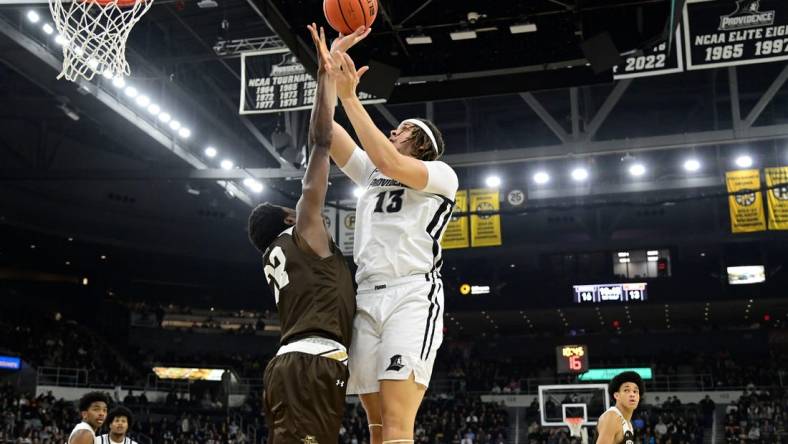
[
  {"x": 342, "y": 144},
  {"x": 408, "y": 170},
  {"x": 606, "y": 429},
  {"x": 309, "y": 210}
]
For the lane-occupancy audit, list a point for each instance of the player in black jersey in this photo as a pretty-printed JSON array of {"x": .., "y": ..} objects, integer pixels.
[
  {"x": 615, "y": 425},
  {"x": 305, "y": 384}
]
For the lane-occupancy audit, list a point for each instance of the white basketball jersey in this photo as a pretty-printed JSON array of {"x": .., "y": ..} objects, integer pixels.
[
  {"x": 398, "y": 229},
  {"x": 82, "y": 426},
  {"x": 105, "y": 439},
  {"x": 627, "y": 431}
]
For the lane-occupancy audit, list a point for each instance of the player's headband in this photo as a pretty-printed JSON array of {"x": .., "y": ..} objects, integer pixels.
[{"x": 426, "y": 129}]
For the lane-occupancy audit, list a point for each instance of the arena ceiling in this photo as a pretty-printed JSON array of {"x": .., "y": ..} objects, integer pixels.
[{"x": 522, "y": 102}]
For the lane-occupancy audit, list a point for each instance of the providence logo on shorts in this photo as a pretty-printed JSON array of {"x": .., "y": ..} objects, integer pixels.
[
  {"x": 396, "y": 364},
  {"x": 746, "y": 15}
]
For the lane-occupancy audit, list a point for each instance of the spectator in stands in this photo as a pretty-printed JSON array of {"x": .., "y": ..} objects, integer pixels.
[
  {"x": 129, "y": 399},
  {"x": 707, "y": 406}
]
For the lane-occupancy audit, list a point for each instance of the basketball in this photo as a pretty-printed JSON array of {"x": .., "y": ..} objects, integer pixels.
[{"x": 345, "y": 16}]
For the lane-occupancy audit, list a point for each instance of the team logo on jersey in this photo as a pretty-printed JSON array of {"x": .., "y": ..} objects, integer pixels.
[
  {"x": 396, "y": 364},
  {"x": 748, "y": 14},
  {"x": 745, "y": 200},
  {"x": 380, "y": 182},
  {"x": 309, "y": 439}
]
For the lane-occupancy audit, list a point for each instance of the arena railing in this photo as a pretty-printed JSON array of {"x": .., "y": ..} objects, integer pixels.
[
  {"x": 62, "y": 377},
  {"x": 660, "y": 383}
]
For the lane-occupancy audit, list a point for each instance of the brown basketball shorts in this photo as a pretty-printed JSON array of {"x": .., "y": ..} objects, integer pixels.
[{"x": 304, "y": 399}]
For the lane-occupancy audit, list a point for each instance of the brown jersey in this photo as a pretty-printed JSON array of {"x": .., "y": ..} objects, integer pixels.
[{"x": 314, "y": 296}]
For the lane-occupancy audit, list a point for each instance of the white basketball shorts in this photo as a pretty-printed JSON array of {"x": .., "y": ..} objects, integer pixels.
[{"x": 397, "y": 331}]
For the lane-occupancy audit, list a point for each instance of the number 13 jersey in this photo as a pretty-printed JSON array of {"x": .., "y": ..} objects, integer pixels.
[
  {"x": 314, "y": 296},
  {"x": 398, "y": 229}
]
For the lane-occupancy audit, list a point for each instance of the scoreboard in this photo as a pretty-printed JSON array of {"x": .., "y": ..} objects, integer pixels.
[
  {"x": 629, "y": 292},
  {"x": 571, "y": 359}
]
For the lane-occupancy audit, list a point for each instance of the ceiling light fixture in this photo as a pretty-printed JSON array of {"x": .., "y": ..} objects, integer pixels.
[
  {"x": 419, "y": 40},
  {"x": 462, "y": 35},
  {"x": 522, "y": 28}
]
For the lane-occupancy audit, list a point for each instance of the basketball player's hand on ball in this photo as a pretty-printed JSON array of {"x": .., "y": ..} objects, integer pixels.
[
  {"x": 340, "y": 44},
  {"x": 347, "y": 77},
  {"x": 323, "y": 56},
  {"x": 345, "y": 42}
]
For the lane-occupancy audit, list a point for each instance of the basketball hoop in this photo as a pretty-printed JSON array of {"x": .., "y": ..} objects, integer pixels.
[
  {"x": 575, "y": 426},
  {"x": 94, "y": 33}
]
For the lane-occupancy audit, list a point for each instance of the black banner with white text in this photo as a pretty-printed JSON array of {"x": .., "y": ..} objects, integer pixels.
[
  {"x": 274, "y": 81},
  {"x": 654, "y": 61},
  {"x": 721, "y": 33}
]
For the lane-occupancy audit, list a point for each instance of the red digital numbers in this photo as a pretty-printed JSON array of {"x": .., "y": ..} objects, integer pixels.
[{"x": 575, "y": 363}]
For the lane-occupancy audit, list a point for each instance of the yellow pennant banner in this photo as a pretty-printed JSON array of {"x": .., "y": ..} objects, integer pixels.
[
  {"x": 485, "y": 230},
  {"x": 746, "y": 209},
  {"x": 456, "y": 235},
  {"x": 778, "y": 197}
]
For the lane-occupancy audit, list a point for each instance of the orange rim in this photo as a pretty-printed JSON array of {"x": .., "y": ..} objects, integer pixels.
[{"x": 121, "y": 3}]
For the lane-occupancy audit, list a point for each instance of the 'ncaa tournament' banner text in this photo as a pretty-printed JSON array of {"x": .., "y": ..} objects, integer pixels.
[
  {"x": 735, "y": 32},
  {"x": 274, "y": 81}
]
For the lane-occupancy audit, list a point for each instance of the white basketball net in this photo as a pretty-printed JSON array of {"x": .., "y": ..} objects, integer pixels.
[
  {"x": 94, "y": 36},
  {"x": 575, "y": 426}
]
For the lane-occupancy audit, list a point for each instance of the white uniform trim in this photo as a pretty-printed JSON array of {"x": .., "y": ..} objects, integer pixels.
[
  {"x": 81, "y": 426},
  {"x": 317, "y": 346}
]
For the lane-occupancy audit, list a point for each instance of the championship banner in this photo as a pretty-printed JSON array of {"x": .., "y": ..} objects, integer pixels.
[
  {"x": 273, "y": 81},
  {"x": 456, "y": 235},
  {"x": 735, "y": 32},
  {"x": 485, "y": 230},
  {"x": 654, "y": 61},
  {"x": 747, "y": 213},
  {"x": 346, "y": 226},
  {"x": 778, "y": 197}
]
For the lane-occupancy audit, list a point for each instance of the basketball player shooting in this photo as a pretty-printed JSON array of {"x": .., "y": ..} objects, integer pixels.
[
  {"x": 615, "y": 425},
  {"x": 93, "y": 409},
  {"x": 407, "y": 201},
  {"x": 305, "y": 384}
]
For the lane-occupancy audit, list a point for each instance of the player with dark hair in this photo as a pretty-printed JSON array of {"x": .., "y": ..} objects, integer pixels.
[
  {"x": 120, "y": 420},
  {"x": 93, "y": 410},
  {"x": 305, "y": 384},
  {"x": 407, "y": 201},
  {"x": 615, "y": 425}
]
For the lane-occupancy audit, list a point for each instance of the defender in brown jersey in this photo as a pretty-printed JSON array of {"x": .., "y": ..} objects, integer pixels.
[{"x": 305, "y": 383}]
